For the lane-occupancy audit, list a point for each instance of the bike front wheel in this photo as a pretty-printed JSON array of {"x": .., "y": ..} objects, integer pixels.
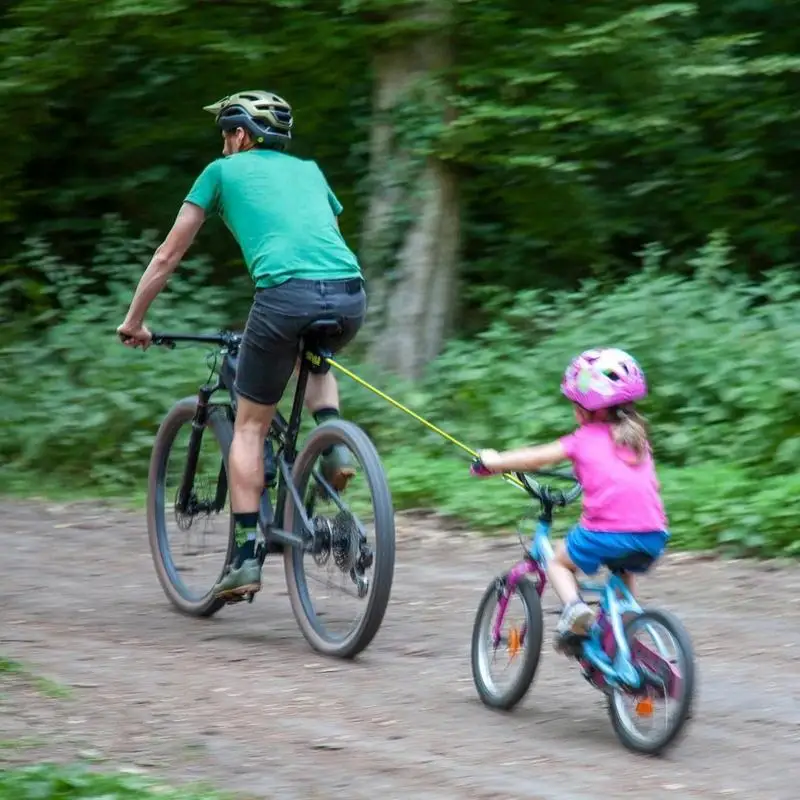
[
  {"x": 190, "y": 548},
  {"x": 520, "y": 641},
  {"x": 357, "y": 549}
]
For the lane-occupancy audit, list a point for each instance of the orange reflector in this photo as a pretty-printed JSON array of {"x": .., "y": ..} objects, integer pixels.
[
  {"x": 644, "y": 707},
  {"x": 513, "y": 642}
]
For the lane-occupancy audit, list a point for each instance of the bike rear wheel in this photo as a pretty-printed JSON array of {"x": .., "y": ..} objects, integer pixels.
[
  {"x": 525, "y": 638},
  {"x": 670, "y": 675},
  {"x": 345, "y": 555},
  {"x": 162, "y": 509}
]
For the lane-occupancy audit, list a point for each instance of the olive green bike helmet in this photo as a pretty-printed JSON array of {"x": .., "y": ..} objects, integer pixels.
[{"x": 264, "y": 115}]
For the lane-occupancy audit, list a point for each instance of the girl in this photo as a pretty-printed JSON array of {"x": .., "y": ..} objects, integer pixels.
[{"x": 622, "y": 508}]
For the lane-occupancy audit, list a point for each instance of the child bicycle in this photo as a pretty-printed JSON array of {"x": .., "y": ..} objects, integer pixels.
[{"x": 611, "y": 658}]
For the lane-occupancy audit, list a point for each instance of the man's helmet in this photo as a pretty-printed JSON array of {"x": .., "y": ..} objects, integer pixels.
[{"x": 264, "y": 115}]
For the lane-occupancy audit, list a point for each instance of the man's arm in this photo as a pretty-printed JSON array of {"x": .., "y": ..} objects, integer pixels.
[{"x": 164, "y": 261}]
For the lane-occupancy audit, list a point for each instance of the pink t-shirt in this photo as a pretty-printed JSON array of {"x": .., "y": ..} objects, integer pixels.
[{"x": 618, "y": 496}]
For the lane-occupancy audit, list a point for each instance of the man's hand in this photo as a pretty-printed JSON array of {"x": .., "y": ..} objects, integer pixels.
[{"x": 132, "y": 335}]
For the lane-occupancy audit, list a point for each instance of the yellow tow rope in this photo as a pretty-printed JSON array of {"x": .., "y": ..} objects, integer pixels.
[{"x": 511, "y": 478}]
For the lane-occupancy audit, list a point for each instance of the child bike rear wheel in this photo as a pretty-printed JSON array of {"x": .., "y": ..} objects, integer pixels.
[
  {"x": 520, "y": 640},
  {"x": 669, "y": 675}
]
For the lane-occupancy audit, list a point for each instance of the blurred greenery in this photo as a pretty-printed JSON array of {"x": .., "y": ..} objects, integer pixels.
[
  {"x": 582, "y": 135},
  {"x": 53, "y": 782},
  {"x": 722, "y": 354}
]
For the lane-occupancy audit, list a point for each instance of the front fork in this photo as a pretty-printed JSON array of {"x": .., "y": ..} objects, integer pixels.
[{"x": 199, "y": 421}]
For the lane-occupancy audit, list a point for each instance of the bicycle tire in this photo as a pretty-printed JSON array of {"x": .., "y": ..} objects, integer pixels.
[
  {"x": 532, "y": 651},
  {"x": 349, "y": 434},
  {"x": 218, "y": 423},
  {"x": 671, "y": 735}
]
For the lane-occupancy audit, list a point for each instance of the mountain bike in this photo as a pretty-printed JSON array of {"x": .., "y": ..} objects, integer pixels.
[
  {"x": 310, "y": 525},
  {"x": 612, "y": 658}
]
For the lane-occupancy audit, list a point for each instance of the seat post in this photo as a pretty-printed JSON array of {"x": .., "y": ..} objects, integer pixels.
[{"x": 290, "y": 448}]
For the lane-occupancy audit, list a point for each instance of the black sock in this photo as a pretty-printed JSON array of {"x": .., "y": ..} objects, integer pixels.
[
  {"x": 323, "y": 415},
  {"x": 245, "y": 529}
]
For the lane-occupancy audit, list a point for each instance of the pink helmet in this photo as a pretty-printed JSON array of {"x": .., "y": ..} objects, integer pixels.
[{"x": 603, "y": 378}]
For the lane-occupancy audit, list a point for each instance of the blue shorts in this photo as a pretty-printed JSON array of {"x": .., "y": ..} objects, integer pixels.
[{"x": 589, "y": 550}]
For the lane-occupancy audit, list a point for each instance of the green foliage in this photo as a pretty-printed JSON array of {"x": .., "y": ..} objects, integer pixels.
[
  {"x": 45, "y": 686},
  {"x": 78, "y": 405},
  {"x": 721, "y": 355},
  {"x": 603, "y": 126},
  {"x": 583, "y": 131},
  {"x": 51, "y": 782},
  {"x": 580, "y": 133}
]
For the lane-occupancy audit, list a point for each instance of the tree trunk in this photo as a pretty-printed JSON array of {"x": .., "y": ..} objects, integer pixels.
[{"x": 412, "y": 227}]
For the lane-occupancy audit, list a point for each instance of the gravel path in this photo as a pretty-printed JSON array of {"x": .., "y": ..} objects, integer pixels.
[{"x": 242, "y": 702}]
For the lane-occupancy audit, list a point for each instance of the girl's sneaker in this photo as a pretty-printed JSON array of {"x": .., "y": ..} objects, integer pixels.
[{"x": 576, "y": 619}]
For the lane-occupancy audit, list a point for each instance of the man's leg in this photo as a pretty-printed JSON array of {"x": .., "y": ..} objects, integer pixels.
[
  {"x": 246, "y": 480},
  {"x": 266, "y": 359},
  {"x": 322, "y": 400},
  {"x": 322, "y": 392}
]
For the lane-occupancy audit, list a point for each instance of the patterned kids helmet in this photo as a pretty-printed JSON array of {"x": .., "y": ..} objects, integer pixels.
[{"x": 603, "y": 378}]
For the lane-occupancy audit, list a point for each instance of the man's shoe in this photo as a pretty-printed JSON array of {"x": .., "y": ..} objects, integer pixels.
[
  {"x": 337, "y": 467},
  {"x": 239, "y": 581}
]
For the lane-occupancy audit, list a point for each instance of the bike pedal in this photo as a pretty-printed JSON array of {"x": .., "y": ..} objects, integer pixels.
[
  {"x": 570, "y": 644},
  {"x": 234, "y": 599}
]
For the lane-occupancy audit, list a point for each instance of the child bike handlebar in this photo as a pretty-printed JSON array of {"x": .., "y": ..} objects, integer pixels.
[{"x": 545, "y": 494}]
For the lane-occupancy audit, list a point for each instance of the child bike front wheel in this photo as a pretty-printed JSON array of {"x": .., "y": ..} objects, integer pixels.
[{"x": 518, "y": 635}]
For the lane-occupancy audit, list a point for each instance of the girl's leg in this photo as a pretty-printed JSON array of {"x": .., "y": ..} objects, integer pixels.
[
  {"x": 561, "y": 572},
  {"x": 577, "y": 617}
]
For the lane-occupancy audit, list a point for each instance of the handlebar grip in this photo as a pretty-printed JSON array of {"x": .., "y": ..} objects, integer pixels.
[
  {"x": 478, "y": 469},
  {"x": 162, "y": 341}
]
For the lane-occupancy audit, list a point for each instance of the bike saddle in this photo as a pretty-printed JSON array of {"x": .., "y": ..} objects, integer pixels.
[
  {"x": 321, "y": 327},
  {"x": 635, "y": 561}
]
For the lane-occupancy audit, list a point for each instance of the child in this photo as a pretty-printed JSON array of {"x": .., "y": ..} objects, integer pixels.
[{"x": 622, "y": 508}]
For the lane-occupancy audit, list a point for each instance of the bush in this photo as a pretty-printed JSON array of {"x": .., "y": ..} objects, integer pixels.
[
  {"x": 79, "y": 407},
  {"x": 722, "y": 357}
]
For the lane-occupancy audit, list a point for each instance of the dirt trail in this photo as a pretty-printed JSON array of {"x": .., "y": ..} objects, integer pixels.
[{"x": 242, "y": 702}]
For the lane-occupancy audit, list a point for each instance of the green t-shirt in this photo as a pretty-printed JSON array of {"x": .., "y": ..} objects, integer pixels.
[{"x": 281, "y": 212}]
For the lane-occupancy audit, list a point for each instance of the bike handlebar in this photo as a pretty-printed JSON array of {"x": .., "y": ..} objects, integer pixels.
[
  {"x": 221, "y": 338},
  {"x": 542, "y": 492}
]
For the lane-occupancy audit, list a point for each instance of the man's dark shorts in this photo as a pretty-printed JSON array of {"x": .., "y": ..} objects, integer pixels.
[{"x": 279, "y": 314}]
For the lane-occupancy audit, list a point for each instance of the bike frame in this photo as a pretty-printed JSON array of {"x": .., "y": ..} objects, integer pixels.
[
  {"x": 284, "y": 432},
  {"x": 604, "y": 653}
]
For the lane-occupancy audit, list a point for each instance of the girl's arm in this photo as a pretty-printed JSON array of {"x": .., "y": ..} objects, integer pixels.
[{"x": 525, "y": 459}]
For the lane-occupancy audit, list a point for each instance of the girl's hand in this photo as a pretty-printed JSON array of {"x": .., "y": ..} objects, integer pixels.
[{"x": 491, "y": 460}]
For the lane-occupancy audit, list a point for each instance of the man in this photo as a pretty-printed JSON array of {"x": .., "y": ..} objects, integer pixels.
[{"x": 284, "y": 217}]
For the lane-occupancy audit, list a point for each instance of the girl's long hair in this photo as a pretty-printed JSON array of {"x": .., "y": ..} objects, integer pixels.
[{"x": 629, "y": 430}]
